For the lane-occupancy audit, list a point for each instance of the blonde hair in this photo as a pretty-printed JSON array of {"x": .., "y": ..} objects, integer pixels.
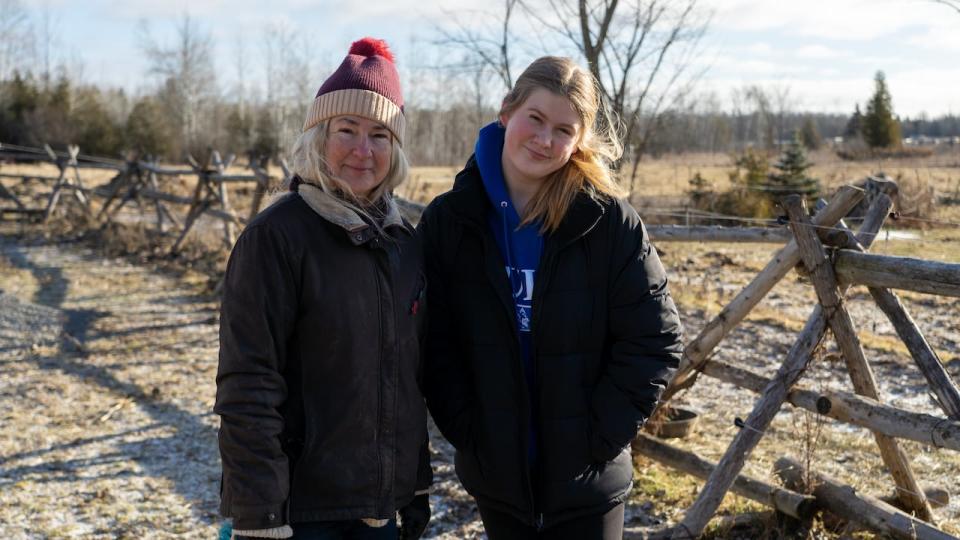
[
  {"x": 307, "y": 162},
  {"x": 590, "y": 166}
]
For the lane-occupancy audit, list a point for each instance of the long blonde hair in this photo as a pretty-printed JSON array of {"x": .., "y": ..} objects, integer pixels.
[
  {"x": 590, "y": 166},
  {"x": 308, "y": 163}
]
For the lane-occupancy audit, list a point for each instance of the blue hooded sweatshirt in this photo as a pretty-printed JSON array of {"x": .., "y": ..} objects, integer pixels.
[{"x": 521, "y": 249}]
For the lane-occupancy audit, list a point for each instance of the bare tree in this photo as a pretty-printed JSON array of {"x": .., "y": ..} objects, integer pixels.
[
  {"x": 15, "y": 37},
  {"x": 641, "y": 52},
  {"x": 289, "y": 89},
  {"x": 187, "y": 70},
  {"x": 488, "y": 40}
]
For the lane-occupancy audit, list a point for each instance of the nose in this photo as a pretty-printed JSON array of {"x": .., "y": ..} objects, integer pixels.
[
  {"x": 542, "y": 137},
  {"x": 363, "y": 147}
]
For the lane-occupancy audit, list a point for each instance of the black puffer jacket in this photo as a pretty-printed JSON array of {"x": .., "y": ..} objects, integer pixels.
[
  {"x": 606, "y": 338},
  {"x": 322, "y": 417}
]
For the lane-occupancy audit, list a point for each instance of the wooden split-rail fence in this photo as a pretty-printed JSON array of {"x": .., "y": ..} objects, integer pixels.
[
  {"x": 832, "y": 258},
  {"x": 822, "y": 247},
  {"x": 137, "y": 181}
]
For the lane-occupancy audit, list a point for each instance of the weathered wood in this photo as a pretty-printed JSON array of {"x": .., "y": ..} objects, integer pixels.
[
  {"x": 55, "y": 194},
  {"x": 786, "y": 501},
  {"x": 943, "y": 386},
  {"x": 700, "y": 348},
  {"x": 824, "y": 280},
  {"x": 6, "y": 194},
  {"x": 946, "y": 391},
  {"x": 772, "y": 398},
  {"x": 263, "y": 184},
  {"x": 852, "y": 409},
  {"x": 234, "y": 178},
  {"x": 766, "y": 408},
  {"x": 229, "y": 236},
  {"x": 846, "y": 502},
  {"x": 164, "y": 171},
  {"x": 198, "y": 204},
  {"x": 212, "y": 212},
  {"x": 705, "y": 233},
  {"x": 25, "y": 177},
  {"x": 890, "y": 272}
]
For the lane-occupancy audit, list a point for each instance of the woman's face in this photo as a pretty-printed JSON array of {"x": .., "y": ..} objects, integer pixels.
[
  {"x": 541, "y": 135},
  {"x": 358, "y": 152}
]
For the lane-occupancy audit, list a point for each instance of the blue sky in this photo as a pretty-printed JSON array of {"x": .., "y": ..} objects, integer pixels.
[{"x": 825, "y": 52}]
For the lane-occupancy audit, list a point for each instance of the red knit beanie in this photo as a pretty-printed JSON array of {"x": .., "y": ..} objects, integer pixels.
[{"x": 366, "y": 84}]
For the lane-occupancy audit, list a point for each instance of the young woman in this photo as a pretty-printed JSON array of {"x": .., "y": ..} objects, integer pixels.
[
  {"x": 551, "y": 331},
  {"x": 323, "y": 425}
]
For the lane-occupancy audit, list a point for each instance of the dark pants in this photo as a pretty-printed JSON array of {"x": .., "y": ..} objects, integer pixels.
[
  {"x": 606, "y": 526},
  {"x": 344, "y": 530}
]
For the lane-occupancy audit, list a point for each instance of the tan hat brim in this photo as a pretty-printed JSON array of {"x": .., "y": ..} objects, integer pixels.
[{"x": 363, "y": 103}]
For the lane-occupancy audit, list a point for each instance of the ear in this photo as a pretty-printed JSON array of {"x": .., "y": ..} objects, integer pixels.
[{"x": 503, "y": 117}]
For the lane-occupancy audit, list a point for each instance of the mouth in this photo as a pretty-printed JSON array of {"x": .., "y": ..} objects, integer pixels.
[
  {"x": 538, "y": 156},
  {"x": 356, "y": 169}
]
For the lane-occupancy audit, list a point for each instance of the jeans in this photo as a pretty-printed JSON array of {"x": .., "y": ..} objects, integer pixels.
[{"x": 344, "y": 530}]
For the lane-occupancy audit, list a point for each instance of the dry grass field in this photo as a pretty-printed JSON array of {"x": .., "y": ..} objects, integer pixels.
[{"x": 108, "y": 348}]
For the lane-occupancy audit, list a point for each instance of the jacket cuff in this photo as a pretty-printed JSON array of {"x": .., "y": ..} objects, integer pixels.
[
  {"x": 275, "y": 532},
  {"x": 261, "y": 517}
]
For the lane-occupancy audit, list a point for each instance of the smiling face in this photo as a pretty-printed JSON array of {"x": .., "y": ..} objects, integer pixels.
[
  {"x": 541, "y": 135},
  {"x": 358, "y": 152}
]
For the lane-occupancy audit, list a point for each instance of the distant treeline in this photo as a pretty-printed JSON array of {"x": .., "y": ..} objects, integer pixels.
[{"x": 170, "y": 122}]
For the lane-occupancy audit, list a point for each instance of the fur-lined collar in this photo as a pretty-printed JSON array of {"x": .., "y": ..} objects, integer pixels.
[{"x": 333, "y": 211}]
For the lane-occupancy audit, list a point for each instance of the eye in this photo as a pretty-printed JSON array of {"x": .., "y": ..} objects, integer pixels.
[
  {"x": 381, "y": 135},
  {"x": 534, "y": 118}
]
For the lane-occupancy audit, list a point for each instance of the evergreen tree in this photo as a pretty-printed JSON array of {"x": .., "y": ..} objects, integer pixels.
[
  {"x": 880, "y": 128},
  {"x": 266, "y": 144},
  {"x": 148, "y": 129},
  {"x": 791, "y": 173},
  {"x": 855, "y": 124},
  {"x": 700, "y": 192},
  {"x": 93, "y": 129},
  {"x": 810, "y": 135}
]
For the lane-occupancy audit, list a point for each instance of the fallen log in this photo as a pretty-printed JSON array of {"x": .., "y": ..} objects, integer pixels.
[
  {"x": 847, "y": 503},
  {"x": 783, "y": 500}
]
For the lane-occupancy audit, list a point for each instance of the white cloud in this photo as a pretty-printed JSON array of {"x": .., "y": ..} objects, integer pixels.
[
  {"x": 854, "y": 20},
  {"x": 819, "y": 52}
]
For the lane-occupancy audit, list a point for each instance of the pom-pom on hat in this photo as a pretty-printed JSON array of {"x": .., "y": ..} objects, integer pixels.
[{"x": 366, "y": 84}]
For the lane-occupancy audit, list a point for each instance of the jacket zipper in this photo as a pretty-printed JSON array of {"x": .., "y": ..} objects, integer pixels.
[
  {"x": 379, "y": 384},
  {"x": 510, "y": 309}
]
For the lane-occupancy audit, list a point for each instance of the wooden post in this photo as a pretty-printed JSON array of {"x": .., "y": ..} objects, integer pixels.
[
  {"x": 824, "y": 281},
  {"x": 868, "y": 511},
  {"x": 948, "y": 395},
  {"x": 222, "y": 193},
  {"x": 700, "y": 348},
  {"x": 783, "y": 500},
  {"x": 58, "y": 185},
  {"x": 263, "y": 184},
  {"x": 198, "y": 204}
]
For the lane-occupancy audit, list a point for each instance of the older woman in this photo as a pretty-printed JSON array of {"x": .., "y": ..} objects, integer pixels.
[{"x": 323, "y": 426}]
